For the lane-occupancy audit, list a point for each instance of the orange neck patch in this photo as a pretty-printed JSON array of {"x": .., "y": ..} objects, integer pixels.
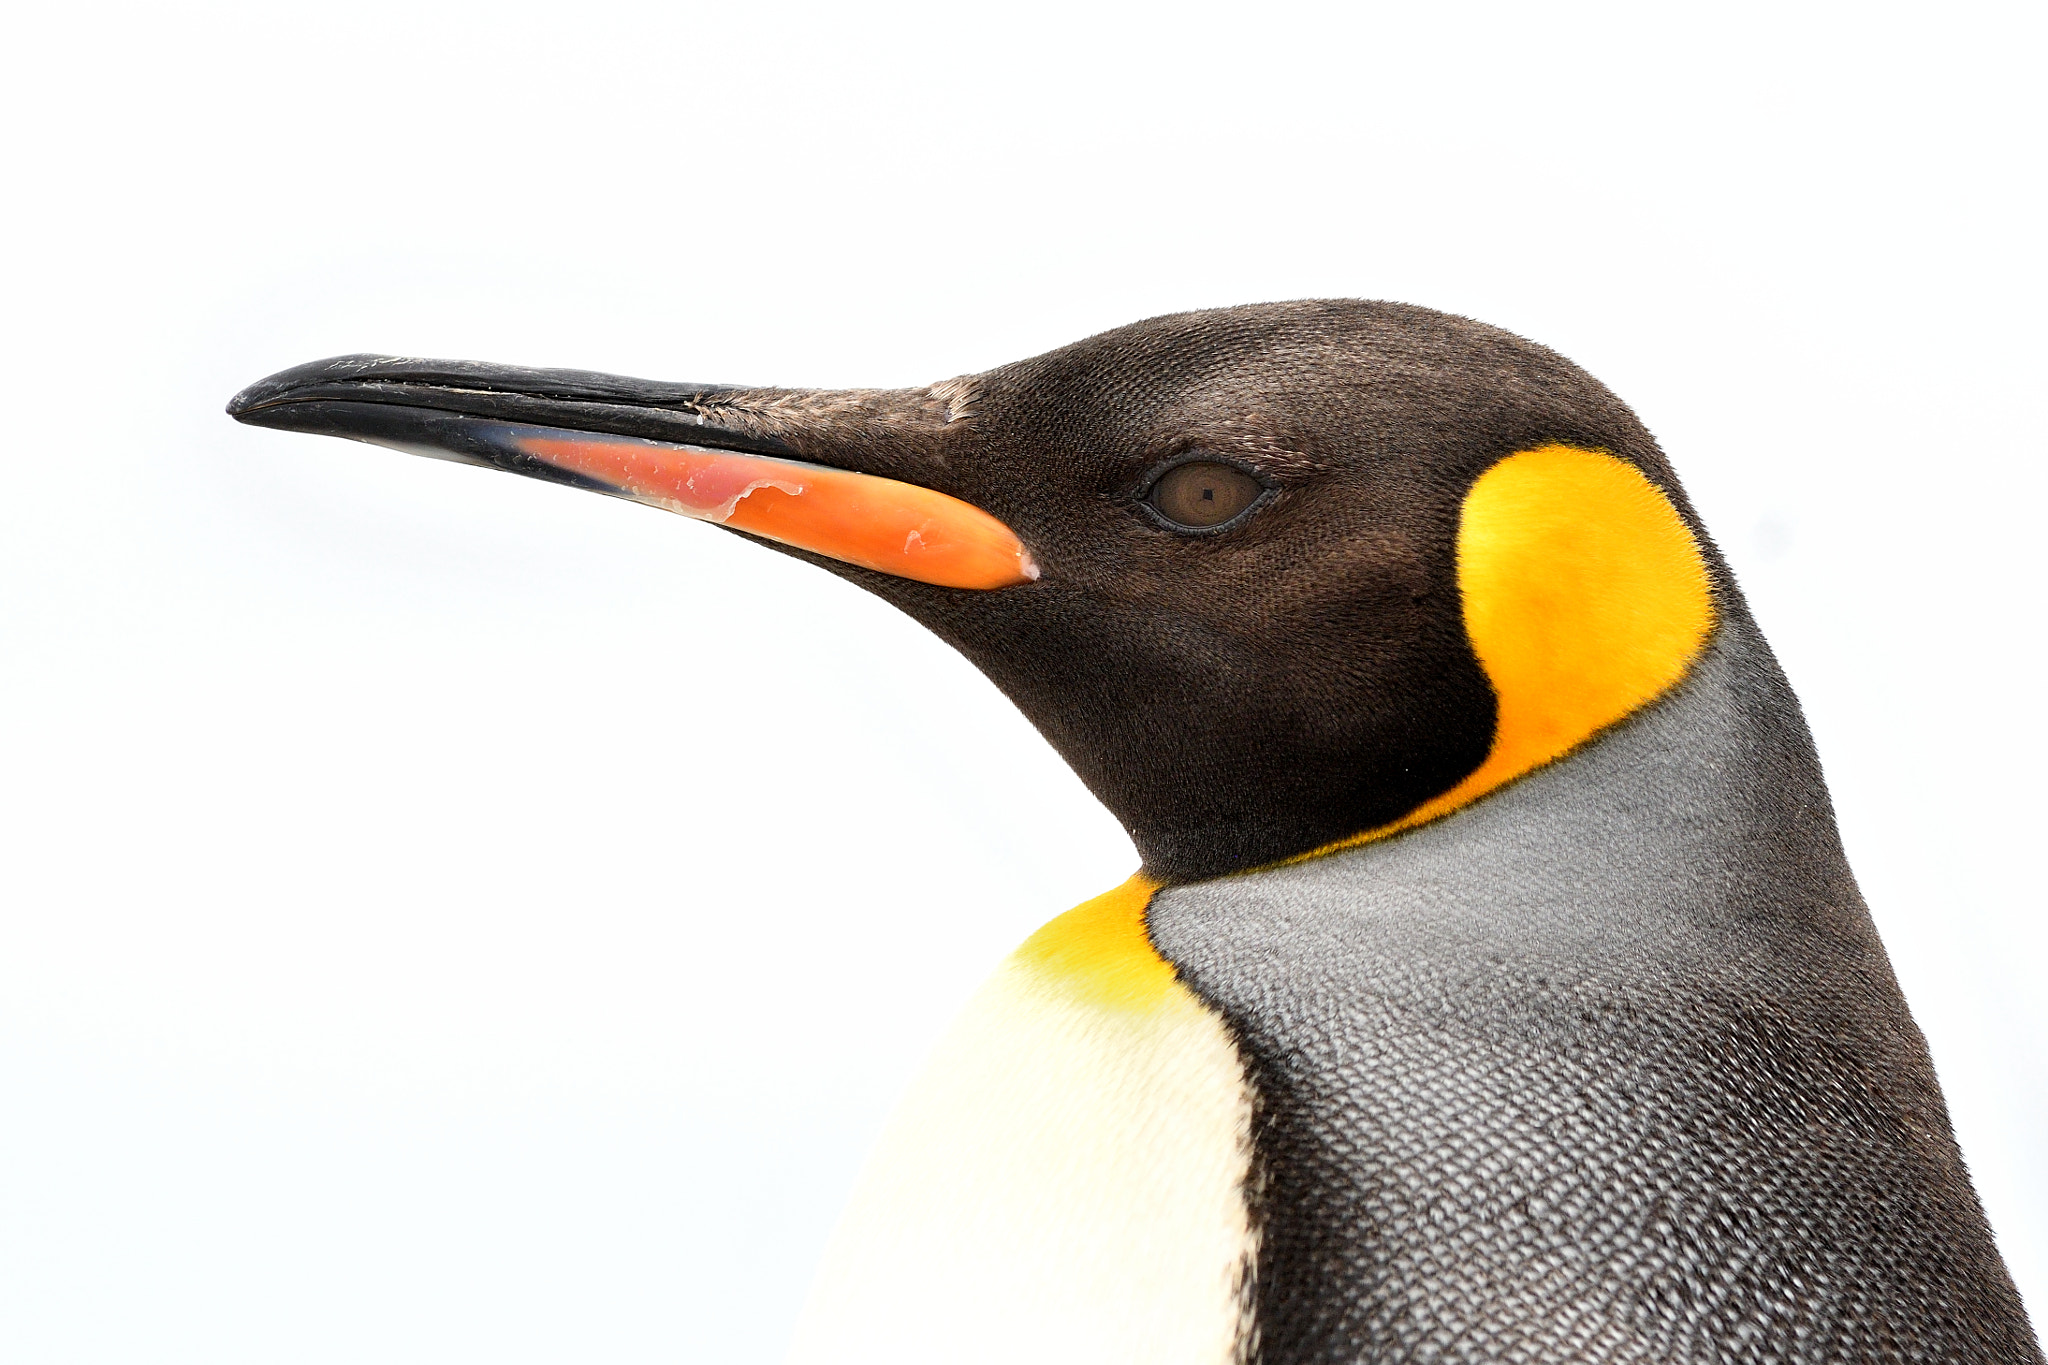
[
  {"x": 1099, "y": 950},
  {"x": 1586, "y": 597}
]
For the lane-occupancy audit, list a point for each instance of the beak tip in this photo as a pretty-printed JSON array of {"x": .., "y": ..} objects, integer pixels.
[
  {"x": 263, "y": 395},
  {"x": 254, "y": 408}
]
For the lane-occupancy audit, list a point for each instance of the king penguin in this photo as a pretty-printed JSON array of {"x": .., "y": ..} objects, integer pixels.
[{"x": 1494, "y": 987}]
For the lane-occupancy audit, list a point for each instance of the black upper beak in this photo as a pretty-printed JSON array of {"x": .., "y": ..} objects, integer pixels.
[{"x": 462, "y": 410}]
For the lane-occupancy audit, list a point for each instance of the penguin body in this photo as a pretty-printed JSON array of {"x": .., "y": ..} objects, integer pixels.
[
  {"x": 1611, "y": 1066},
  {"x": 1495, "y": 987}
]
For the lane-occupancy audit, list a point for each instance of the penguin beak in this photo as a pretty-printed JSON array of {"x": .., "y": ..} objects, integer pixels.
[{"x": 654, "y": 443}]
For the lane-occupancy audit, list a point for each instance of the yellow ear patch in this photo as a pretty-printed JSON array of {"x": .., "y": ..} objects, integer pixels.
[
  {"x": 1586, "y": 597},
  {"x": 1099, "y": 950}
]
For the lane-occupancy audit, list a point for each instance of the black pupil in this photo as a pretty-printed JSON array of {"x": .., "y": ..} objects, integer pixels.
[{"x": 1202, "y": 493}]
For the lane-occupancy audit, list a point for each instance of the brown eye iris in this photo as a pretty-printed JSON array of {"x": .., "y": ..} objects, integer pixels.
[{"x": 1200, "y": 494}]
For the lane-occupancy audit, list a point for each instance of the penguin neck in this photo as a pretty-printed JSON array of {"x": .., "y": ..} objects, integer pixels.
[
  {"x": 1647, "y": 832},
  {"x": 1685, "y": 780}
]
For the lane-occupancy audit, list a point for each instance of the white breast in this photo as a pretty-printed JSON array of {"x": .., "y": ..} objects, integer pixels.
[{"x": 1065, "y": 1183}]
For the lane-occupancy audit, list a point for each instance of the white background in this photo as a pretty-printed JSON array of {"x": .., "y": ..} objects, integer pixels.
[{"x": 450, "y": 918}]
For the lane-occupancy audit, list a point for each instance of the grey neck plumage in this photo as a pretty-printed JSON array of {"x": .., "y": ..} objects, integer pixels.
[{"x": 1609, "y": 1066}]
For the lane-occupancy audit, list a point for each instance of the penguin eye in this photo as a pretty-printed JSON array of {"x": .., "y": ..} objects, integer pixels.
[{"x": 1202, "y": 494}]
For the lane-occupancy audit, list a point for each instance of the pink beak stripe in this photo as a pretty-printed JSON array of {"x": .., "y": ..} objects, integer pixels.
[{"x": 881, "y": 524}]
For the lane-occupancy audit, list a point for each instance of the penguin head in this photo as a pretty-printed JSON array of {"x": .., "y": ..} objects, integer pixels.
[{"x": 1268, "y": 577}]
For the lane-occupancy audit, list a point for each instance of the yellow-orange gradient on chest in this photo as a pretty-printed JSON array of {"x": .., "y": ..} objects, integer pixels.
[
  {"x": 1099, "y": 951},
  {"x": 1066, "y": 1180}
]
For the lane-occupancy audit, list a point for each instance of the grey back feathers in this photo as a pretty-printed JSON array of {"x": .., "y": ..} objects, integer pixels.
[{"x": 1610, "y": 1066}]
